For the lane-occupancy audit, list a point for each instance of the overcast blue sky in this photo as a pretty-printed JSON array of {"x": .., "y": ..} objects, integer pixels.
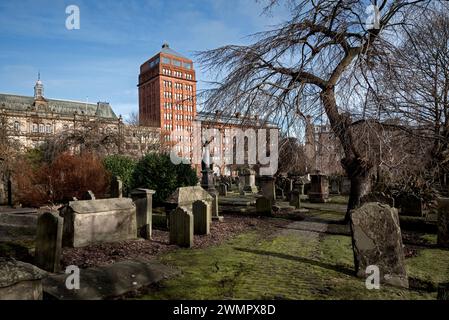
[{"x": 101, "y": 60}]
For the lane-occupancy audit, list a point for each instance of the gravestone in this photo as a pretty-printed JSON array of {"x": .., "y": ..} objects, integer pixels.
[
  {"x": 345, "y": 186},
  {"x": 181, "y": 228},
  {"x": 96, "y": 221},
  {"x": 443, "y": 222},
  {"x": 295, "y": 199},
  {"x": 202, "y": 217},
  {"x": 279, "y": 193},
  {"x": 263, "y": 206},
  {"x": 377, "y": 197},
  {"x": 288, "y": 187},
  {"x": 377, "y": 241},
  {"x": 215, "y": 214},
  {"x": 222, "y": 189},
  {"x": 268, "y": 187},
  {"x": 298, "y": 185},
  {"x": 185, "y": 196},
  {"x": 20, "y": 281},
  {"x": 249, "y": 180},
  {"x": 319, "y": 188},
  {"x": 334, "y": 185},
  {"x": 143, "y": 199},
  {"x": 49, "y": 241},
  {"x": 116, "y": 187}
]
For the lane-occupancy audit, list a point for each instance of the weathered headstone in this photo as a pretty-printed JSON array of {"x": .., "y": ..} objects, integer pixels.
[
  {"x": 20, "y": 281},
  {"x": 295, "y": 199},
  {"x": 223, "y": 189},
  {"x": 263, "y": 206},
  {"x": 319, "y": 188},
  {"x": 201, "y": 217},
  {"x": 443, "y": 222},
  {"x": 377, "y": 241},
  {"x": 49, "y": 241},
  {"x": 143, "y": 199},
  {"x": 116, "y": 187},
  {"x": 181, "y": 227},
  {"x": 268, "y": 188},
  {"x": 96, "y": 221}
]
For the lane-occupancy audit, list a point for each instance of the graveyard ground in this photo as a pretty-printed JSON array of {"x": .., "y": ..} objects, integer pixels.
[
  {"x": 306, "y": 256},
  {"x": 309, "y": 259}
]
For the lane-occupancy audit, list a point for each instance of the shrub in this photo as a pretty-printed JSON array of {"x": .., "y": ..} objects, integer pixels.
[
  {"x": 157, "y": 172},
  {"x": 123, "y": 167},
  {"x": 66, "y": 177}
]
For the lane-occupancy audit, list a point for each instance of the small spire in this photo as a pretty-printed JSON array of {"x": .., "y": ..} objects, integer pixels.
[
  {"x": 165, "y": 45},
  {"x": 39, "y": 75}
]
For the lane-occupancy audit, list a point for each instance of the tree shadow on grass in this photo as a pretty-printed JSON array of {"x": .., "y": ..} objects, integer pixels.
[
  {"x": 340, "y": 269},
  {"x": 331, "y": 230}
]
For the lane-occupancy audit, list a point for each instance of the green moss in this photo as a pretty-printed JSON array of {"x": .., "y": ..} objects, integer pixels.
[
  {"x": 286, "y": 266},
  {"x": 430, "y": 238},
  {"x": 339, "y": 199},
  {"x": 430, "y": 265}
]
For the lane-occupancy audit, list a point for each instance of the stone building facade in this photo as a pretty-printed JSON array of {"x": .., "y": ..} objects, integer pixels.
[{"x": 32, "y": 120}]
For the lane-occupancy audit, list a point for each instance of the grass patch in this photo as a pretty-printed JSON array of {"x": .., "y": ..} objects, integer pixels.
[{"x": 289, "y": 265}]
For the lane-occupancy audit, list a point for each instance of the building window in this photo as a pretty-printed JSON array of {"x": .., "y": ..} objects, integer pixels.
[
  {"x": 35, "y": 128},
  {"x": 48, "y": 127},
  {"x": 187, "y": 65},
  {"x": 41, "y": 128},
  {"x": 177, "y": 63},
  {"x": 166, "y": 60},
  {"x": 17, "y": 126}
]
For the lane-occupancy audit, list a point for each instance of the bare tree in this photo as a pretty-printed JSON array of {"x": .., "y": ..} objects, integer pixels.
[
  {"x": 416, "y": 83},
  {"x": 90, "y": 137},
  {"x": 316, "y": 62}
]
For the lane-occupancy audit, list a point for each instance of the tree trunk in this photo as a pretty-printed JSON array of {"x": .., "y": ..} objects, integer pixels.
[
  {"x": 357, "y": 168},
  {"x": 358, "y": 172}
]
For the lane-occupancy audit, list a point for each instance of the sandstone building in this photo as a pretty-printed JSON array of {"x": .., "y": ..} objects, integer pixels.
[{"x": 31, "y": 120}]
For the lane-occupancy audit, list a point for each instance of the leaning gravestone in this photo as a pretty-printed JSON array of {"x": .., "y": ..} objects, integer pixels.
[
  {"x": 443, "y": 222},
  {"x": 201, "y": 217},
  {"x": 20, "y": 281},
  {"x": 95, "y": 221},
  {"x": 263, "y": 206},
  {"x": 181, "y": 227},
  {"x": 377, "y": 241},
  {"x": 49, "y": 241}
]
